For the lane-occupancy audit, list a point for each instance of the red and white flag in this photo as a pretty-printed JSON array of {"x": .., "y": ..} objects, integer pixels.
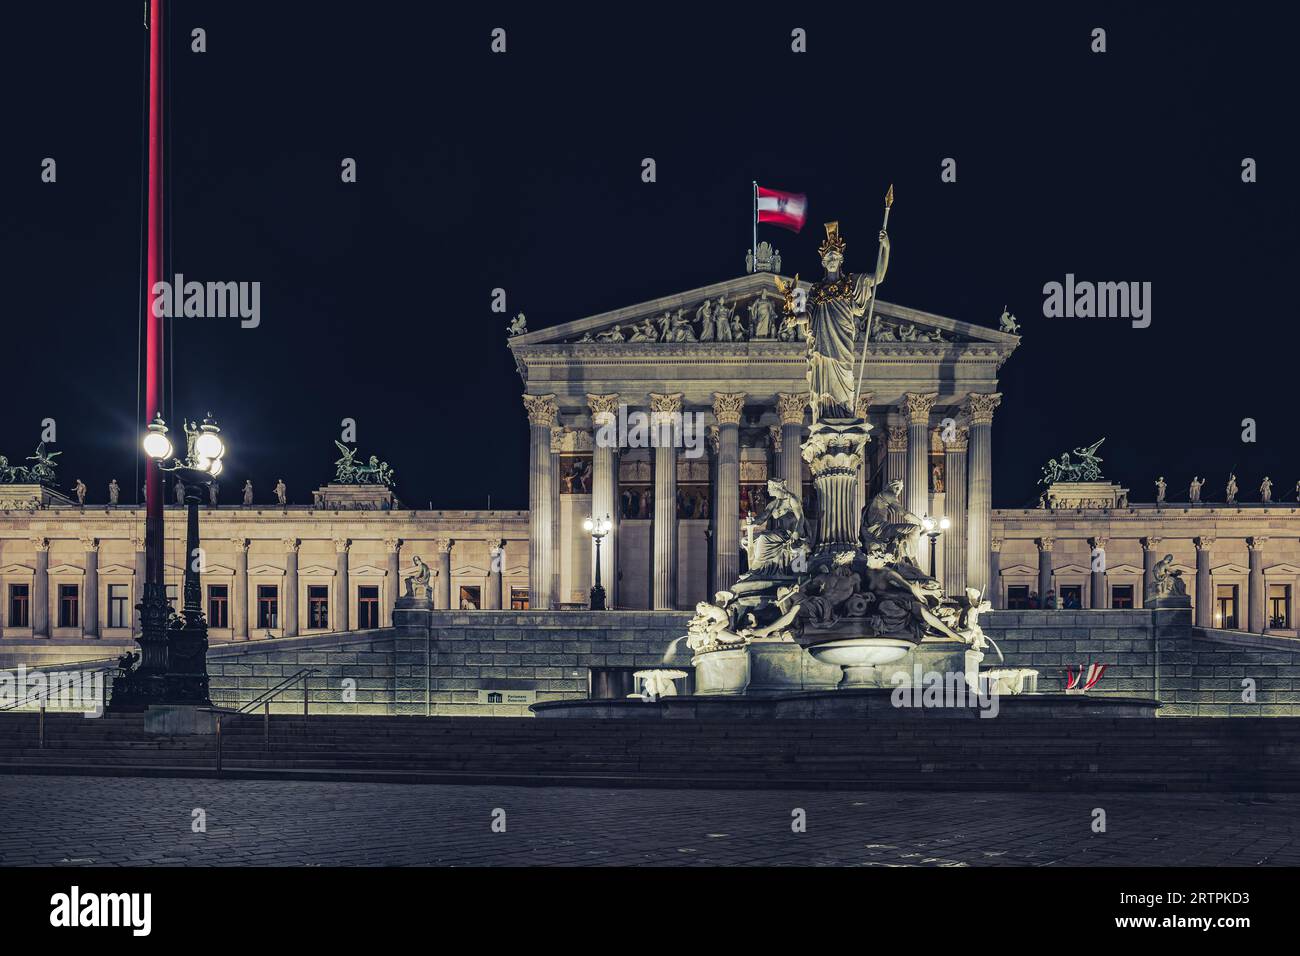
[{"x": 787, "y": 210}]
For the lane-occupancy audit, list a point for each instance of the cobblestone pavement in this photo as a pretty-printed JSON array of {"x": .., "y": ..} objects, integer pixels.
[{"x": 103, "y": 821}]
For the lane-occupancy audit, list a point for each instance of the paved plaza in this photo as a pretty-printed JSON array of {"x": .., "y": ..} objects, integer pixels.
[{"x": 107, "y": 821}]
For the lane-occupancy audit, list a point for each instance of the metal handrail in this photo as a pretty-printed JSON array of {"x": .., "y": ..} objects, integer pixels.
[
  {"x": 265, "y": 701},
  {"x": 107, "y": 668}
]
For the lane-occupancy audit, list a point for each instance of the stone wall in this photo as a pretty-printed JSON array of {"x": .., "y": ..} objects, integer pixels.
[
  {"x": 1193, "y": 671},
  {"x": 547, "y": 653}
]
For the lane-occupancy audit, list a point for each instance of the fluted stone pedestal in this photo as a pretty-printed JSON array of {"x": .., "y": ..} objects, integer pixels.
[{"x": 833, "y": 451}]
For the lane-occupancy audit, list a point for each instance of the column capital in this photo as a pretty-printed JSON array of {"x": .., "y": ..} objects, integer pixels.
[
  {"x": 864, "y": 403},
  {"x": 791, "y": 407},
  {"x": 1098, "y": 543},
  {"x": 664, "y": 404},
  {"x": 1045, "y": 544},
  {"x": 341, "y": 545},
  {"x": 1203, "y": 543},
  {"x": 1257, "y": 542},
  {"x": 917, "y": 406},
  {"x": 392, "y": 545},
  {"x": 41, "y": 544},
  {"x": 444, "y": 545},
  {"x": 995, "y": 544},
  {"x": 980, "y": 406},
  {"x": 897, "y": 440},
  {"x": 495, "y": 545},
  {"x": 727, "y": 407},
  {"x": 602, "y": 405},
  {"x": 1150, "y": 544},
  {"x": 774, "y": 433},
  {"x": 137, "y": 542},
  {"x": 90, "y": 545},
  {"x": 240, "y": 544},
  {"x": 541, "y": 409},
  {"x": 290, "y": 544},
  {"x": 960, "y": 440}
]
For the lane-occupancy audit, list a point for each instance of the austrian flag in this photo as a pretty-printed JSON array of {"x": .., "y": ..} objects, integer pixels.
[{"x": 787, "y": 210}]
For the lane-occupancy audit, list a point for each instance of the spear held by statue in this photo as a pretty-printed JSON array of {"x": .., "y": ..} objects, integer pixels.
[{"x": 871, "y": 305}]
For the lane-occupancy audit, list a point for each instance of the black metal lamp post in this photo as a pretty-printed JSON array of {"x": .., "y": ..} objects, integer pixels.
[
  {"x": 597, "y": 528},
  {"x": 933, "y": 529},
  {"x": 173, "y": 661}
]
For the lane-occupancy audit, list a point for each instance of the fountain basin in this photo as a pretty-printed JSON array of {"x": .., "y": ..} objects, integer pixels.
[
  {"x": 860, "y": 657},
  {"x": 723, "y": 672}
]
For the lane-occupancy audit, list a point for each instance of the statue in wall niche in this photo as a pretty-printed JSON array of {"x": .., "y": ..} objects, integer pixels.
[
  {"x": 1168, "y": 580},
  {"x": 936, "y": 478},
  {"x": 1194, "y": 490},
  {"x": 787, "y": 533},
  {"x": 889, "y": 525},
  {"x": 248, "y": 494},
  {"x": 762, "y": 317},
  {"x": 417, "y": 585},
  {"x": 79, "y": 489},
  {"x": 1266, "y": 490},
  {"x": 704, "y": 315},
  {"x": 1007, "y": 323},
  {"x": 518, "y": 326},
  {"x": 114, "y": 491},
  {"x": 214, "y": 491},
  {"x": 180, "y": 491},
  {"x": 1231, "y": 490},
  {"x": 643, "y": 332},
  {"x": 1160, "y": 490}
]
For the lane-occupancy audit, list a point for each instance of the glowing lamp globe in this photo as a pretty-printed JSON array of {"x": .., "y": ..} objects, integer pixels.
[{"x": 156, "y": 444}]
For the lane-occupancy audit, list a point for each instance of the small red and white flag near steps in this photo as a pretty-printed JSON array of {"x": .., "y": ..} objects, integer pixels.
[{"x": 787, "y": 210}]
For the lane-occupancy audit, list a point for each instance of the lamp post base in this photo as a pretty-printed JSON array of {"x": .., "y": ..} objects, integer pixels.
[{"x": 598, "y": 598}]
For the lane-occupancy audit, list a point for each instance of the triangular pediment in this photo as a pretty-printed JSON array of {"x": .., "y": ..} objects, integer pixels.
[
  {"x": 314, "y": 571},
  {"x": 66, "y": 569},
  {"x": 367, "y": 571},
  {"x": 1018, "y": 569},
  {"x": 1230, "y": 569},
  {"x": 1072, "y": 569},
  {"x": 676, "y": 319},
  {"x": 1282, "y": 569},
  {"x": 1124, "y": 569},
  {"x": 266, "y": 569},
  {"x": 17, "y": 569},
  {"x": 471, "y": 570},
  {"x": 113, "y": 569}
]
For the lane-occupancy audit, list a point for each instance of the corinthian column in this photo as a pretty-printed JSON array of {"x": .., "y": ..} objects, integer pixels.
[
  {"x": 1044, "y": 568},
  {"x": 393, "y": 548},
  {"x": 442, "y": 593},
  {"x": 496, "y": 564},
  {"x": 291, "y": 586},
  {"x": 1257, "y": 595},
  {"x": 604, "y": 486},
  {"x": 954, "y": 488},
  {"x": 1097, "y": 589},
  {"x": 789, "y": 466},
  {"x": 341, "y": 546},
  {"x": 239, "y": 591},
  {"x": 979, "y": 534},
  {"x": 1149, "y": 558},
  {"x": 917, "y": 494},
  {"x": 727, "y": 407},
  {"x": 541, "y": 416},
  {"x": 664, "y": 410},
  {"x": 1204, "y": 587},
  {"x": 896, "y": 452},
  {"x": 90, "y": 617},
  {"x": 41, "y": 589}
]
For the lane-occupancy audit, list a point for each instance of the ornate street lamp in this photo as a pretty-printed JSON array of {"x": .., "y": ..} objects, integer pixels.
[
  {"x": 597, "y": 528},
  {"x": 934, "y": 528},
  {"x": 173, "y": 648}
]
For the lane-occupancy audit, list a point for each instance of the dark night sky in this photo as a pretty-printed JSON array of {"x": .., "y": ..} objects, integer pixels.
[{"x": 523, "y": 171}]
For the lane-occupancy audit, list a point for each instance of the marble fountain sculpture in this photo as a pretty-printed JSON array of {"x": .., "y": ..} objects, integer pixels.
[{"x": 849, "y": 591}]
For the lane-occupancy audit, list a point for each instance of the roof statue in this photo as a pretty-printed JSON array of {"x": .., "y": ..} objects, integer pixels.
[
  {"x": 1087, "y": 468},
  {"x": 348, "y": 471}
]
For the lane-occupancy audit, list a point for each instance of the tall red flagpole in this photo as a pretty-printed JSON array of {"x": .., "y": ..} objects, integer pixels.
[{"x": 153, "y": 375}]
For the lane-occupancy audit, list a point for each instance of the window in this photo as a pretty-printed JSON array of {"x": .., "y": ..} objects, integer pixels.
[
  {"x": 469, "y": 599},
  {"x": 519, "y": 599},
  {"x": 218, "y": 605},
  {"x": 20, "y": 600},
  {"x": 1072, "y": 597},
  {"x": 1225, "y": 600},
  {"x": 1018, "y": 597},
  {"x": 1121, "y": 597},
  {"x": 368, "y": 606},
  {"x": 268, "y": 606},
  {"x": 119, "y": 599},
  {"x": 69, "y": 612},
  {"x": 318, "y": 607},
  {"x": 1279, "y": 605}
]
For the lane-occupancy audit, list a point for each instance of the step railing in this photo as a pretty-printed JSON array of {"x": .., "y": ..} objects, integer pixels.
[
  {"x": 264, "y": 701},
  {"x": 106, "y": 666}
]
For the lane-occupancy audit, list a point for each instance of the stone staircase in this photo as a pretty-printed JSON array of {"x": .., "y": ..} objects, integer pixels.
[{"x": 1193, "y": 754}]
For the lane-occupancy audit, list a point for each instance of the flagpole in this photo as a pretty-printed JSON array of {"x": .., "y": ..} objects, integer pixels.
[
  {"x": 871, "y": 309},
  {"x": 754, "y": 250}
]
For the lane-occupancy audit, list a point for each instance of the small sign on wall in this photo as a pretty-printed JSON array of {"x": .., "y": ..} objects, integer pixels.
[{"x": 507, "y": 696}]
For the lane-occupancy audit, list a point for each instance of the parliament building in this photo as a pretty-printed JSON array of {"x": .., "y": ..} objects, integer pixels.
[{"x": 722, "y": 358}]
